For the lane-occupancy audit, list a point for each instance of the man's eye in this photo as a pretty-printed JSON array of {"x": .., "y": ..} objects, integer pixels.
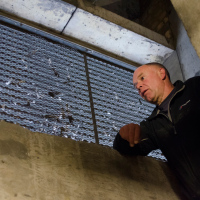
[{"x": 142, "y": 78}]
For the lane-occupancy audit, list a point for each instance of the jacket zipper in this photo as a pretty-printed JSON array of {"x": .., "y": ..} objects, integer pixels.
[
  {"x": 169, "y": 114},
  {"x": 169, "y": 120}
]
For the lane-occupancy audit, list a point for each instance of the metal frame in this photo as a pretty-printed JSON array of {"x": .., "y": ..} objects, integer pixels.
[{"x": 60, "y": 40}]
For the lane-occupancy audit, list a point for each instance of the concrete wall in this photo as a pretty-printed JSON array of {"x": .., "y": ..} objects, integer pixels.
[
  {"x": 187, "y": 36},
  {"x": 42, "y": 167},
  {"x": 188, "y": 11},
  {"x": 173, "y": 66}
]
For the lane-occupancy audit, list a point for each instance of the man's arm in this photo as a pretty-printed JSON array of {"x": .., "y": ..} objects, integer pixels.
[
  {"x": 130, "y": 133},
  {"x": 123, "y": 147},
  {"x": 133, "y": 139}
]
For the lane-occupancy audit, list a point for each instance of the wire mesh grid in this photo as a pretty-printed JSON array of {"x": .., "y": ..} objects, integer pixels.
[
  {"x": 43, "y": 87},
  {"x": 116, "y": 102}
]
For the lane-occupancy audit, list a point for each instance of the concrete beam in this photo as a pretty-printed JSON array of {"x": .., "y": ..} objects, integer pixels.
[
  {"x": 188, "y": 11},
  {"x": 111, "y": 37},
  {"x": 138, "y": 45},
  {"x": 48, "y": 13},
  {"x": 39, "y": 166},
  {"x": 188, "y": 58},
  {"x": 173, "y": 66}
]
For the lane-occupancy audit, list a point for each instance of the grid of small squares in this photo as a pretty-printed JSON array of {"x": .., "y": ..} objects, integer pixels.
[{"x": 43, "y": 87}]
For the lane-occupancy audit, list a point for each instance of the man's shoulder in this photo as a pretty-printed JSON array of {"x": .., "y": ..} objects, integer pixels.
[
  {"x": 193, "y": 83},
  {"x": 195, "y": 79}
]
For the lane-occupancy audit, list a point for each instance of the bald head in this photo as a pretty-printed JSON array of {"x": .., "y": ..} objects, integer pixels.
[
  {"x": 153, "y": 64},
  {"x": 152, "y": 82}
]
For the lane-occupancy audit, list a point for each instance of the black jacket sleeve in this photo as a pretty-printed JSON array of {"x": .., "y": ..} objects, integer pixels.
[
  {"x": 145, "y": 146},
  {"x": 123, "y": 147}
]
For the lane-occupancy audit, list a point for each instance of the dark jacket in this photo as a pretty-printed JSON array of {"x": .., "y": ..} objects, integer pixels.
[{"x": 178, "y": 136}]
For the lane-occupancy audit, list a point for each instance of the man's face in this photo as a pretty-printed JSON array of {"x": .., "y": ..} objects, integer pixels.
[{"x": 148, "y": 81}]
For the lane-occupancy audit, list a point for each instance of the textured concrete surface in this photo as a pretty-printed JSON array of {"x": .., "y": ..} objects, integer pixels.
[
  {"x": 188, "y": 11},
  {"x": 188, "y": 58},
  {"x": 121, "y": 21},
  {"x": 138, "y": 45},
  {"x": 49, "y": 13},
  {"x": 40, "y": 167},
  {"x": 173, "y": 66},
  {"x": 111, "y": 37}
]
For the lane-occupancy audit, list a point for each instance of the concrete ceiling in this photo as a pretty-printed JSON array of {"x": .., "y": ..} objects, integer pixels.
[
  {"x": 136, "y": 44},
  {"x": 130, "y": 9}
]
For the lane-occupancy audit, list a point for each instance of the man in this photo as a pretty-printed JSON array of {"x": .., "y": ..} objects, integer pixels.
[{"x": 172, "y": 127}]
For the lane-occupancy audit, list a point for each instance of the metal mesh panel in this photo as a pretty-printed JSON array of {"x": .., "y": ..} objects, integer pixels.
[
  {"x": 43, "y": 86},
  {"x": 116, "y": 102}
]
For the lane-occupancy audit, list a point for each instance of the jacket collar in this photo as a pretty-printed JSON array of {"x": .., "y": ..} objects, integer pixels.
[{"x": 180, "y": 86}]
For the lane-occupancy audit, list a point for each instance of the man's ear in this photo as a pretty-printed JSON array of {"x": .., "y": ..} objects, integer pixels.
[{"x": 162, "y": 73}]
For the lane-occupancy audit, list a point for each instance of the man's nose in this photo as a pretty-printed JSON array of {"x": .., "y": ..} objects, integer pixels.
[{"x": 138, "y": 86}]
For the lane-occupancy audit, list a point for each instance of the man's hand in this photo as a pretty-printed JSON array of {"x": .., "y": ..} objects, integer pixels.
[{"x": 131, "y": 133}]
